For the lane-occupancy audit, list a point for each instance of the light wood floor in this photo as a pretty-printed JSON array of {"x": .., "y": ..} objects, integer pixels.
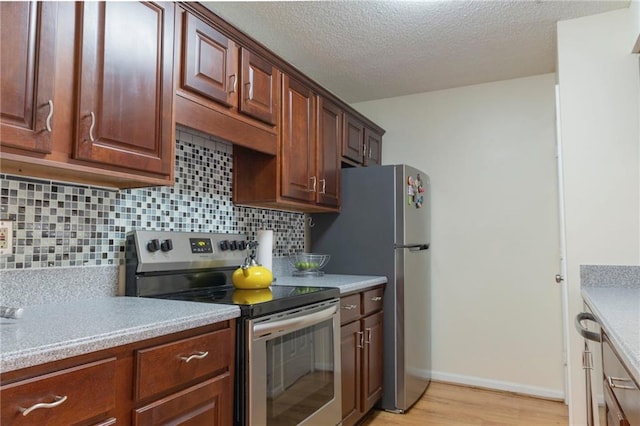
[{"x": 452, "y": 405}]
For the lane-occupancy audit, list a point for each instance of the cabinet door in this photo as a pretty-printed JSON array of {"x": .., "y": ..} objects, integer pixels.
[
  {"x": 297, "y": 144},
  {"x": 27, "y": 67},
  {"x": 373, "y": 347},
  {"x": 125, "y": 85},
  {"x": 373, "y": 145},
  {"x": 259, "y": 87},
  {"x": 328, "y": 152},
  {"x": 207, "y": 403},
  {"x": 353, "y": 139},
  {"x": 351, "y": 356},
  {"x": 209, "y": 62}
]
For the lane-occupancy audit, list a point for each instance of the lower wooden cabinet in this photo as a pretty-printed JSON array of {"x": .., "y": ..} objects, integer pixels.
[
  {"x": 69, "y": 396},
  {"x": 182, "y": 378},
  {"x": 361, "y": 356}
]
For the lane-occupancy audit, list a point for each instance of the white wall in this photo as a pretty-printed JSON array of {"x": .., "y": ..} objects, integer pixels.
[
  {"x": 490, "y": 152},
  {"x": 599, "y": 105}
]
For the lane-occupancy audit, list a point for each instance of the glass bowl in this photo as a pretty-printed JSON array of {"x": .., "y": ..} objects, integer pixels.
[{"x": 308, "y": 263}]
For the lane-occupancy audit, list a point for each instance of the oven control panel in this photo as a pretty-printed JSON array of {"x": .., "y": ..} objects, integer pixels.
[{"x": 170, "y": 250}]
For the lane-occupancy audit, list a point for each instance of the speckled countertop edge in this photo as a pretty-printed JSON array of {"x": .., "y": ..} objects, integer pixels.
[
  {"x": 346, "y": 283},
  {"x": 613, "y": 294},
  {"x": 49, "y": 333}
]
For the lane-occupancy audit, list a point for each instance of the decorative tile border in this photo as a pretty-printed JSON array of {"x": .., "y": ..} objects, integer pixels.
[{"x": 60, "y": 224}]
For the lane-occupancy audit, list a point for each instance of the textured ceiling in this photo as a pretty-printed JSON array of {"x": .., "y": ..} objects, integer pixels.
[{"x": 364, "y": 50}]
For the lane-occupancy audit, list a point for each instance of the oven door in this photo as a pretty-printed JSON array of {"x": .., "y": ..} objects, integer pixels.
[{"x": 294, "y": 367}]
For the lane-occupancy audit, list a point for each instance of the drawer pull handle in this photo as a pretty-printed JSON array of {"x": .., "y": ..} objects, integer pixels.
[
  {"x": 199, "y": 355},
  {"x": 49, "y": 116},
  {"x": 376, "y": 299},
  {"x": 58, "y": 401},
  {"x": 611, "y": 380},
  {"x": 349, "y": 307}
]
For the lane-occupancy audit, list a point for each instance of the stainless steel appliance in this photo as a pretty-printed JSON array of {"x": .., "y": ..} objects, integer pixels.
[
  {"x": 288, "y": 347},
  {"x": 383, "y": 228}
]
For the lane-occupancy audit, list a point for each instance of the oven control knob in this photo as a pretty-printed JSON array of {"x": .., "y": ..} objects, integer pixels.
[
  {"x": 233, "y": 245},
  {"x": 167, "y": 245},
  {"x": 224, "y": 245},
  {"x": 153, "y": 245},
  {"x": 242, "y": 245}
]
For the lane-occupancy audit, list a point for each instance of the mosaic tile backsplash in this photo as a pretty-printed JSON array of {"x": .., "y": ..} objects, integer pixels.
[{"x": 59, "y": 224}]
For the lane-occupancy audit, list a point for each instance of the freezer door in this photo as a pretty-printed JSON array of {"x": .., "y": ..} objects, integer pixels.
[{"x": 413, "y": 206}]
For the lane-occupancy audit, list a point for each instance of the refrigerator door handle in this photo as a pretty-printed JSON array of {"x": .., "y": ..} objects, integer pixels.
[{"x": 412, "y": 247}]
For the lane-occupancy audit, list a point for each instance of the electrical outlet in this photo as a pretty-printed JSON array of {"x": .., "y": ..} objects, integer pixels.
[{"x": 6, "y": 237}]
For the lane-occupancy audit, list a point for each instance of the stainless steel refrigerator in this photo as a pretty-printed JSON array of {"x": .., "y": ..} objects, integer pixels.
[{"x": 383, "y": 228}]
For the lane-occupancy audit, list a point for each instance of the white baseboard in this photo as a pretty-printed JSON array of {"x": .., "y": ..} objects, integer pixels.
[{"x": 498, "y": 385}]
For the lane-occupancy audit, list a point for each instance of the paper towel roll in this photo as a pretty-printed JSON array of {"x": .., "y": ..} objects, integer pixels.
[{"x": 265, "y": 249}]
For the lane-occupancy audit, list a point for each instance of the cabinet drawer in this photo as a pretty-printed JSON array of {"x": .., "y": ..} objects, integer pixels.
[
  {"x": 73, "y": 395},
  {"x": 163, "y": 367},
  {"x": 372, "y": 300},
  {"x": 350, "y": 308},
  {"x": 207, "y": 403}
]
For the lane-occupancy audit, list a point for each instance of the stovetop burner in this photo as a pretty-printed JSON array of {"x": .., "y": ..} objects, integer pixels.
[{"x": 254, "y": 303}]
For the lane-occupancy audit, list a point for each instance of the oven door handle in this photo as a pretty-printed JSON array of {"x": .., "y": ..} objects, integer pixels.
[{"x": 260, "y": 330}]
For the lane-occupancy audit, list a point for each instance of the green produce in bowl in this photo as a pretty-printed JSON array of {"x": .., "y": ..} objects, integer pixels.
[{"x": 307, "y": 265}]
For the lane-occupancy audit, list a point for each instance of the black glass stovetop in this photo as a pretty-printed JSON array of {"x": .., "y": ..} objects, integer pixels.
[{"x": 255, "y": 303}]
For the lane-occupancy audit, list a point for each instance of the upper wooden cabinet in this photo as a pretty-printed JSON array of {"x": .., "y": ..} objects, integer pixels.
[
  {"x": 224, "y": 90},
  {"x": 125, "y": 85},
  {"x": 27, "y": 67},
  {"x": 373, "y": 147},
  {"x": 353, "y": 141},
  {"x": 297, "y": 146},
  {"x": 87, "y": 92},
  {"x": 361, "y": 145},
  {"x": 305, "y": 175},
  {"x": 209, "y": 62},
  {"x": 328, "y": 152},
  {"x": 259, "y": 88}
]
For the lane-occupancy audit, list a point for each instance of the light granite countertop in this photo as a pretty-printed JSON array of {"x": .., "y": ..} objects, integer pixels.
[
  {"x": 50, "y": 332},
  {"x": 613, "y": 294},
  {"x": 346, "y": 283}
]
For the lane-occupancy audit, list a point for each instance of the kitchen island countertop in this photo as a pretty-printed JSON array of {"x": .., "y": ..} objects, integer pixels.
[
  {"x": 346, "y": 283},
  {"x": 56, "y": 331},
  {"x": 613, "y": 294}
]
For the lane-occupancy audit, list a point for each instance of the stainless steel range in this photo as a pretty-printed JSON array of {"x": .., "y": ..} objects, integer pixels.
[{"x": 288, "y": 337}]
